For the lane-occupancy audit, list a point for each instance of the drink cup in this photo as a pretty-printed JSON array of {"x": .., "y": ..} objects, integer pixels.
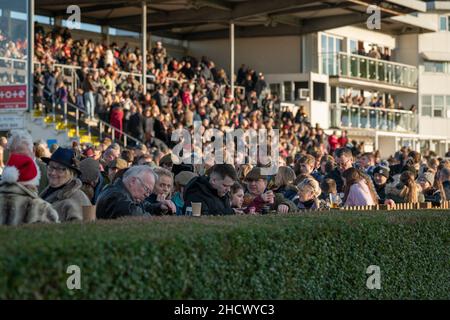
[
  {"x": 89, "y": 213},
  {"x": 196, "y": 209}
]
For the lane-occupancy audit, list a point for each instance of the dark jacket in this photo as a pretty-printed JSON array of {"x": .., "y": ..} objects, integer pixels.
[
  {"x": 446, "y": 185},
  {"x": 200, "y": 190},
  {"x": 381, "y": 191},
  {"x": 336, "y": 176},
  {"x": 116, "y": 201}
]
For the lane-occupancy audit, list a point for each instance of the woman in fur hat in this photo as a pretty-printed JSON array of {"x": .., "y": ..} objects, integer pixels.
[{"x": 19, "y": 201}]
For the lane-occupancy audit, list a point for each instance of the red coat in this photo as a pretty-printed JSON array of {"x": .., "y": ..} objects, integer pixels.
[
  {"x": 116, "y": 120},
  {"x": 333, "y": 142}
]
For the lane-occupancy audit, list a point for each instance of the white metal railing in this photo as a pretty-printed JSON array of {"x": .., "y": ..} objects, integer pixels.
[
  {"x": 103, "y": 127},
  {"x": 354, "y": 116},
  {"x": 367, "y": 68}
]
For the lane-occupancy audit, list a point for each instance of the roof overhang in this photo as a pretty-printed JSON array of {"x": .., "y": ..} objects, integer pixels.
[
  {"x": 208, "y": 19},
  {"x": 438, "y": 6},
  {"x": 435, "y": 55}
]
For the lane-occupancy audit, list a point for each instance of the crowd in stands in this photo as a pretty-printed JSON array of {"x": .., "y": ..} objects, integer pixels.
[
  {"x": 373, "y": 101},
  {"x": 315, "y": 170},
  {"x": 375, "y": 52},
  {"x": 41, "y": 184}
]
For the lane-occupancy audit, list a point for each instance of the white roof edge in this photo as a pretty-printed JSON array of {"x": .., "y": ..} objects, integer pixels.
[
  {"x": 416, "y": 5},
  {"x": 416, "y": 22},
  {"x": 438, "y": 5}
]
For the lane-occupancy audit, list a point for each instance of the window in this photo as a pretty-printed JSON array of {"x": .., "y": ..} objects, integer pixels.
[
  {"x": 438, "y": 107},
  {"x": 299, "y": 85},
  {"x": 426, "y": 105},
  {"x": 319, "y": 91},
  {"x": 330, "y": 47},
  {"x": 435, "y": 66},
  {"x": 288, "y": 91},
  {"x": 443, "y": 23},
  {"x": 275, "y": 89},
  {"x": 448, "y": 107},
  {"x": 19, "y": 15},
  {"x": 353, "y": 46},
  {"x": 42, "y": 19}
]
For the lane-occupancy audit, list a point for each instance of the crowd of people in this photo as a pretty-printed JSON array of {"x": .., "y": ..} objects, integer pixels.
[
  {"x": 41, "y": 184},
  {"x": 374, "y": 101},
  {"x": 179, "y": 92}
]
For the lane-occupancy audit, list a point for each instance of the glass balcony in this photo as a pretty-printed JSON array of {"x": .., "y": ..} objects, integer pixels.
[
  {"x": 365, "y": 68},
  {"x": 344, "y": 116}
]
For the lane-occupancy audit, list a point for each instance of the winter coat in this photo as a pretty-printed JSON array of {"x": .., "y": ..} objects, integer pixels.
[
  {"x": 68, "y": 201},
  {"x": 20, "y": 205},
  {"x": 258, "y": 203},
  {"x": 359, "y": 195},
  {"x": 289, "y": 191},
  {"x": 200, "y": 190},
  {"x": 394, "y": 189},
  {"x": 116, "y": 201},
  {"x": 446, "y": 185},
  {"x": 317, "y": 204}
]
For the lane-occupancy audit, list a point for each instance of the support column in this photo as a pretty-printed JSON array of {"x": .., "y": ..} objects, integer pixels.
[
  {"x": 232, "y": 57},
  {"x": 30, "y": 53},
  {"x": 105, "y": 35},
  {"x": 144, "y": 45},
  {"x": 58, "y": 21},
  {"x": 7, "y": 14}
]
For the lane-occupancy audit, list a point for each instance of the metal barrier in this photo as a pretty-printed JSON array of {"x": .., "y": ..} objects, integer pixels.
[
  {"x": 366, "y": 117},
  {"x": 103, "y": 127},
  {"x": 366, "y": 68}
]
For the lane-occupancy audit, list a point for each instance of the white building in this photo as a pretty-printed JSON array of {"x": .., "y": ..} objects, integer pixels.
[{"x": 318, "y": 69}]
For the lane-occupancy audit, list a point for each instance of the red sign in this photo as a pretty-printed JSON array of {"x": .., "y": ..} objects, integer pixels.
[{"x": 13, "y": 97}]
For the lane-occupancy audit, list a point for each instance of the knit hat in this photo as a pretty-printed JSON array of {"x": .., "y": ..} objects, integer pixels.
[
  {"x": 427, "y": 176},
  {"x": 90, "y": 170},
  {"x": 184, "y": 177},
  {"x": 384, "y": 171},
  {"x": 21, "y": 168}
]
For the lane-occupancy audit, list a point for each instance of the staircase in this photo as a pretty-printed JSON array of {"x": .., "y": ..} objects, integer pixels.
[{"x": 65, "y": 125}]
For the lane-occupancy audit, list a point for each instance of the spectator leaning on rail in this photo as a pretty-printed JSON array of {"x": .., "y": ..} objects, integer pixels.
[
  {"x": 163, "y": 189},
  {"x": 358, "y": 190},
  {"x": 64, "y": 190},
  {"x": 19, "y": 201},
  {"x": 127, "y": 196},
  {"x": 212, "y": 191},
  {"x": 259, "y": 196}
]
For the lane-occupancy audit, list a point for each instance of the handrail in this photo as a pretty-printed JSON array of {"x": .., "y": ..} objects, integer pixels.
[
  {"x": 368, "y": 58},
  {"x": 344, "y": 105},
  {"x": 101, "y": 123}
]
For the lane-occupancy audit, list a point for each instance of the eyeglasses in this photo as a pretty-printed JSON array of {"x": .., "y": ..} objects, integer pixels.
[
  {"x": 58, "y": 170},
  {"x": 147, "y": 190}
]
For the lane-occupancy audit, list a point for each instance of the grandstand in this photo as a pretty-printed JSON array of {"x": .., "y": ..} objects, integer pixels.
[{"x": 327, "y": 65}]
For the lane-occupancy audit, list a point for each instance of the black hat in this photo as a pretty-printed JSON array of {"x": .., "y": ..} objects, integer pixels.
[
  {"x": 384, "y": 171},
  {"x": 66, "y": 157}
]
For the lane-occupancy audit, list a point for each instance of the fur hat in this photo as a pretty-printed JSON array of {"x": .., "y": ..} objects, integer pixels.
[{"x": 22, "y": 169}]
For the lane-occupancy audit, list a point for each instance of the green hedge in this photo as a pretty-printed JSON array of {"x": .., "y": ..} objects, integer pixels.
[{"x": 321, "y": 256}]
